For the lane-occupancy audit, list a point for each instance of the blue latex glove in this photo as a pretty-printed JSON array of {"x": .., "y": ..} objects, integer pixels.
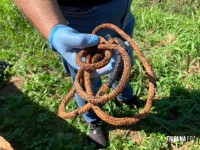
[
  {"x": 110, "y": 66},
  {"x": 107, "y": 69},
  {"x": 68, "y": 42}
]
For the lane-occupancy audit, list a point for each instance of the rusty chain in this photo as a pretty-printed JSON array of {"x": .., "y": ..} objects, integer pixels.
[{"x": 104, "y": 49}]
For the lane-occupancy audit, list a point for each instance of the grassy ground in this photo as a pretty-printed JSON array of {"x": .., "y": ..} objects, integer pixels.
[{"x": 167, "y": 33}]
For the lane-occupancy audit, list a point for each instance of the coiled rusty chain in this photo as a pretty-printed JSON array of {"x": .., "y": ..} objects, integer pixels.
[{"x": 104, "y": 49}]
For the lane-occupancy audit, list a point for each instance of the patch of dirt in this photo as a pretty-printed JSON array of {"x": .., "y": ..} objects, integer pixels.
[
  {"x": 150, "y": 31},
  {"x": 142, "y": 45},
  {"x": 168, "y": 39},
  {"x": 17, "y": 81},
  {"x": 195, "y": 69},
  {"x": 185, "y": 146},
  {"x": 4, "y": 145},
  {"x": 13, "y": 86},
  {"x": 137, "y": 137}
]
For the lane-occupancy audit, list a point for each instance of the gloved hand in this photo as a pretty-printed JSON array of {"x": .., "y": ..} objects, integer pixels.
[
  {"x": 107, "y": 69},
  {"x": 110, "y": 66},
  {"x": 68, "y": 42}
]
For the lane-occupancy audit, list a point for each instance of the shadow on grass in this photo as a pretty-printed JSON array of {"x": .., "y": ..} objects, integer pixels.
[
  {"x": 176, "y": 115},
  {"x": 27, "y": 125}
]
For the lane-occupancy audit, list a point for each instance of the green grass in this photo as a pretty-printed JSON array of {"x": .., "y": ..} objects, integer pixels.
[{"x": 167, "y": 32}]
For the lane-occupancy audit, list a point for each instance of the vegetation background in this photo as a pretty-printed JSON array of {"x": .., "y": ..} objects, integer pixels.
[{"x": 167, "y": 32}]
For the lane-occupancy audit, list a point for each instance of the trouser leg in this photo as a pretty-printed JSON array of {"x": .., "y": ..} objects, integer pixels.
[{"x": 90, "y": 115}]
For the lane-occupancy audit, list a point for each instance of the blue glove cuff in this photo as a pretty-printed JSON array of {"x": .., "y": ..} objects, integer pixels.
[{"x": 52, "y": 35}]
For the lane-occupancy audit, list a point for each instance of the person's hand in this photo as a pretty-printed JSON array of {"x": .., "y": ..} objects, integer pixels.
[
  {"x": 107, "y": 69},
  {"x": 110, "y": 66},
  {"x": 68, "y": 42}
]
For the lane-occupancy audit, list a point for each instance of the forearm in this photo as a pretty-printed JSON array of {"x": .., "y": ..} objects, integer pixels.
[{"x": 44, "y": 14}]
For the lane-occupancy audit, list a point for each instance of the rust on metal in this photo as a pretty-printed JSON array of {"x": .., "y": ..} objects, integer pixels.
[{"x": 97, "y": 60}]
